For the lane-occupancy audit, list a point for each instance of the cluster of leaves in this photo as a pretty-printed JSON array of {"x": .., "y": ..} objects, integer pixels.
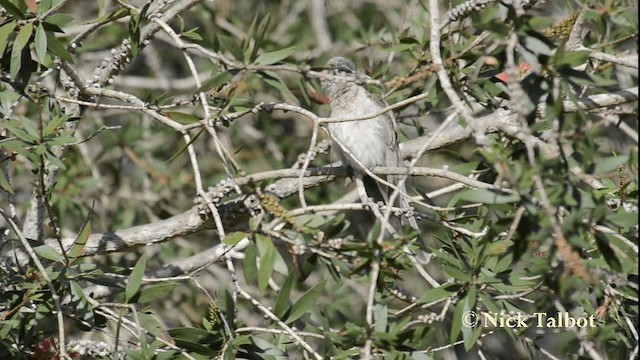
[{"x": 312, "y": 272}]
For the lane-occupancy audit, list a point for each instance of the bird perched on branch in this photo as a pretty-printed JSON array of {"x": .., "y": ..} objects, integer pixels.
[{"x": 363, "y": 143}]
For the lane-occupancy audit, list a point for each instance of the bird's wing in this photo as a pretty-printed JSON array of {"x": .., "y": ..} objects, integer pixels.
[{"x": 392, "y": 156}]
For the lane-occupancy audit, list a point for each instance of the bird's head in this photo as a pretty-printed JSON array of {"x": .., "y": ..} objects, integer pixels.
[{"x": 346, "y": 70}]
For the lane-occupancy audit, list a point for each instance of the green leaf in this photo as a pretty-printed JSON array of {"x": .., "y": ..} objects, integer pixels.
[
  {"x": 4, "y": 184},
  {"x": 609, "y": 164},
  {"x": 18, "y": 147},
  {"x": 218, "y": 79},
  {"x": 80, "y": 241},
  {"x": 305, "y": 302},
  {"x": 54, "y": 160},
  {"x": 153, "y": 325},
  {"x": 400, "y": 48},
  {"x": 43, "y": 6},
  {"x": 283, "y": 297},
  {"x": 54, "y": 124},
  {"x": 59, "y": 19},
  {"x": 267, "y": 250},
  {"x": 439, "y": 293},
  {"x": 381, "y": 315},
  {"x": 12, "y": 9},
  {"x": 465, "y": 168},
  {"x": 233, "y": 238},
  {"x": 486, "y": 197},
  {"x": 284, "y": 91},
  {"x": 250, "y": 266},
  {"x": 467, "y": 331},
  {"x": 62, "y": 139},
  {"x": 5, "y": 31},
  {"x": 456, "y": 273},
  {"x": 267, "y": 348},
  {"x": 41, "y": 43},
  {"x": 197, "y": 340},
  {"x": 82, "y": 307},
  {"x": 260, "y": 32},
  {"x": 154, "y": 292},
  {"x": 192, "y": 35},
  {"x": 56, "y": 48},
  {"x": 275, "y": 56},
  {"x": 22, "y": 39},
  {"x": 607, "y": 252},
  {"x": 191, "y": 334},
  {"x": 47, "y": 252},
  {"x": 623, "y": 219},
  {"x": 571, "y": 58},
  {"x": 456, "y": 326},
  {"x": 135, "y": 280}
]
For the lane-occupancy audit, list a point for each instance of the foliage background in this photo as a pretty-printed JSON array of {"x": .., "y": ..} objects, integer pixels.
[{"x": 124, "y": 124}]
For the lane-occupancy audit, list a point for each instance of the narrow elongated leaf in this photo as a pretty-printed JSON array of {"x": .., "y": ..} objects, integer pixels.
[
  {"x": 487, "y": 197},
  {"x": 607, "y": 252},
  {"x": 22, "y": 39},
  {"x": 438, "y": 293},
  {"x": 608, "y": 164},
  {"x": 381, "y": 314},
  {"x": 285, "y": 294},
  {"x": 5, "y": 31},
  {"x": 250, "y": 265},
  {"x": 43, "y": 6},
  {"x": 234, "y": 238},
  {"x": 135, "y": 280},
  {"x": 572, "y": 58},
  {"x": 82, "y": 307},
  {"x": 4, "y": 184},
  {"x": 284, "y": 91},
  {"x": 154, "y": 292},
  {"x": 41, "y": 43},
  {"x": 12, "y": 9},
  {"x": 305, "y": 302},
  {"x": 260, "y": 32},
  {"x": 81, "y": 241},
  {"x": 467, "y": 331},
  {"x": 461, "y": 317},
  {"x": 54, "y": 124},
  {"x": 267, "y": 348},
  {"x": 47, "y": 252},
  {"x": 623, "y": 219},
  {"x": 267, "y": 250},
  {"x": 456, "y": 273},
  {"x": 275, "y": 56},
  {"x": 215, "y": 81},
  {"x": 56, "y": 48},
  {"x": 61, "y": 19}
]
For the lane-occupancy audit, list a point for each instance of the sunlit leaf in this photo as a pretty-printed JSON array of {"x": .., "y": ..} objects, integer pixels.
[
  {"x": 41, "y": 43},
  {"x": 80, "y": 241},
  {"x": 305, "y": 302},
  {"x": 47, "y": 252},
  {"x": 282, "y": 303},
  {"x": 20, "y": 43},
  {"x": 275, "y": 56},
  {"x": 135, "y": 279},
  {"x": 5, "y": 31},
  {"x": 266, "y": 250}
]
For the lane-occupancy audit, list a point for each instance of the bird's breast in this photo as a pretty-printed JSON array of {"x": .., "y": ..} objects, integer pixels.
[{"x": 365, "y": 139}]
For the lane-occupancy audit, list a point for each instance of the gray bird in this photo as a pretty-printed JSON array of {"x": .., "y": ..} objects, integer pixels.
[{"x": 372, "y": 141}]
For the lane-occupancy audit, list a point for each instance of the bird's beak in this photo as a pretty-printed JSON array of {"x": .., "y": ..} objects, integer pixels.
[{"x": 362, "y": 76}]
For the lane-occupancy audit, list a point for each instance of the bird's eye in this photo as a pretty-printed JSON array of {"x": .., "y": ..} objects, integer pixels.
[{"x": 343, "y": 70}]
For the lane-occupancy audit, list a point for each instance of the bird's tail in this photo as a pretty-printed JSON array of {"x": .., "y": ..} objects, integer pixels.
[{"x": 381, "y": 193}]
